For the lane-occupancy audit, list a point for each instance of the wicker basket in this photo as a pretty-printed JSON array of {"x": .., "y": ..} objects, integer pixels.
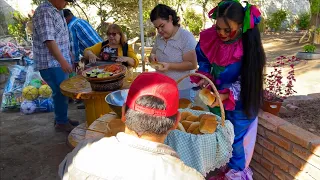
[
  {"x": 223, "y": 117},
  {"x": 111, "y": 85},
  {"x": 106, "y": 79},
  {"x": 204, "y": 152}
]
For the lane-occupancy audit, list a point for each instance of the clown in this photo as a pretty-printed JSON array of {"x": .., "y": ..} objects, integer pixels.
[{"x": 230, "y": 53}]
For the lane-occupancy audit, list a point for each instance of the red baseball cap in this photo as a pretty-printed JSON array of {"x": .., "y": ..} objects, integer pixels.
[{"x": 158, "y": 85}]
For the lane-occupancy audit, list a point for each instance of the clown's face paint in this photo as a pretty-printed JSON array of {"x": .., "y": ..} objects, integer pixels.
[{"x": 225, "y": 32}]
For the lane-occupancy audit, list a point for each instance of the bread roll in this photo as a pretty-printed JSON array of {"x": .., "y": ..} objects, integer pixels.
[
  {"x": 184, "y": 115},
  {"x": 186, "y": 124},
  {"x": 206, "y": 96},
  {"x": 192, "y": 118},
  {"x": 197, "y": 108},
  {"x": 184, "y": 103},
  {"x": 208, "y": 124},
  {"x": 196, "y": 131},
  {"x": 156, "y": 65},
  {"x": 181, "y": 128},
  {"x": 193, "y": 126}
]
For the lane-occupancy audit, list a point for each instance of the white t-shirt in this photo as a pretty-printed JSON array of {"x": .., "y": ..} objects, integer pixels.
[
  {"x": 125, "y": 157},
  {"x": 173, "y": 50}
]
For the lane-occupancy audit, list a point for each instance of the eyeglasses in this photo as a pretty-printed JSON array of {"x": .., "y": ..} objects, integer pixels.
[{"x": 112, "y": 34}]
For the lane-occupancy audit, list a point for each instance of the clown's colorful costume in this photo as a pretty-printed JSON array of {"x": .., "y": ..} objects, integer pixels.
[{"x": 221, "y": 62}]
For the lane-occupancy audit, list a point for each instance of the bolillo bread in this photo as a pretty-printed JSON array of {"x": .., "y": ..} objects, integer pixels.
[
  {"x": 184, "y": 115},
  {"x": 186, "y": 124},
  {"x": 197, "y": 108},
  {"x": 156, "y": 65},
  {"x": 206, "y": 96},
  {"x": 208, "y": 124},
  {"x": 180, "y": 127},
  {"x": 192, "y": 118},
  {"x": 196, "y": 131},
  {"x": 193, "y": 126},
  {"x": 184, "y": 103}
]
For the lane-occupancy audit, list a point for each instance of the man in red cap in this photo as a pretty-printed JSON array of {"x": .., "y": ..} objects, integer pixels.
[{"x": 150, "y": 113}]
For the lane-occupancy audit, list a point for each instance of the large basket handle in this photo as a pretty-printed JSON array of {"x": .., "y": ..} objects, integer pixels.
[{"x": 214, "y": 89}]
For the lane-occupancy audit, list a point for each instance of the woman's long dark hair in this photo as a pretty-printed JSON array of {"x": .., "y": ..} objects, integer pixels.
[{"x": 253, "y": 60}]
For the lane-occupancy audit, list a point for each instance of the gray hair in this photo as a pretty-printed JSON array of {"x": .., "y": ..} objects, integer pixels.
[{"x": 142, "y": 123}]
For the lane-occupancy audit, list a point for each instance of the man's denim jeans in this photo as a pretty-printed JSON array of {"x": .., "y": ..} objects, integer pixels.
[{"x": 54, "y": 77}]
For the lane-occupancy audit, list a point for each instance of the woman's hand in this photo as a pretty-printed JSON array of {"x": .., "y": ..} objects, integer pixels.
[
  {"x": 203, "y": 83},
  {"x": 152, "y": 58},
  {"x": 128, "y": 60},
  {"x": 93, "y": 58},
  {"x": 164, "y": 68},
  {"x": 222, "y": 97},
  {"x": 122, "y": 59}
]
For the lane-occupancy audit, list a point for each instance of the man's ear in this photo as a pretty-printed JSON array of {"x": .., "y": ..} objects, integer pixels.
[
  {"x": 177, "y": 121},
  {"x": 123, "y": 113}
]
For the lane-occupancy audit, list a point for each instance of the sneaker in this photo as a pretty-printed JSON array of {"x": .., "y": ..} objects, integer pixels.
[
  {"x": 73, "y": 123},
  {"x": 64, "y": 127},
  {"x": 81, "y": 106}
]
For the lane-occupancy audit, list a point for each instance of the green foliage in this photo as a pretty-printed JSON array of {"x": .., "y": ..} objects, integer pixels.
[
  {"x": 262, "y": 25},
  {"x": 37, "y": 2},
  {"x": 303, "y": 21},
  {"x": 193, "y": 21},
  {"x": 310, "y": 48},
  {"x": 4, "y": 70},
  {"x": 276, "y": 19},
  {"x": 315, "y": 7},
  {"x": 17, "y": 28}
]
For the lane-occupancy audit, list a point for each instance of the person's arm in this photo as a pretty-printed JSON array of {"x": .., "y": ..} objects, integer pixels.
[
  {"x": 55, "y": 52},
  {"x": 95, "y": 49},
  {"x": 92, "y": 53},
  {"x": 189, "y": 62},
  {"x": 152, "y": 56},
  {"x": 134, "y": 61}
]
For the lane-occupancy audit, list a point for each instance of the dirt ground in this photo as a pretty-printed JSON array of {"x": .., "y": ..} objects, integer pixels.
[
  {"x": 306, "y": 115},
  {"x": 31, "y": 149}
]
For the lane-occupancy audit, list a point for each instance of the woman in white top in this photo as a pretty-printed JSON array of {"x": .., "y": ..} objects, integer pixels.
[{"x": 174, "y": 48}]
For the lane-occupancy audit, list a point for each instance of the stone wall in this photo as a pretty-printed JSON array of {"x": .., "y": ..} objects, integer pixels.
[
  {"x": 285, "y": 151},
  {"x": 295, "y": 7}
]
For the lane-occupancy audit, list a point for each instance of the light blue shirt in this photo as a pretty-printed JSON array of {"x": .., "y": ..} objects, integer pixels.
[{"x": 82, "y": 36}]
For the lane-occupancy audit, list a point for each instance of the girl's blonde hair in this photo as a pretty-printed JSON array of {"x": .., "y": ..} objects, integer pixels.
[{"x": 116, "y": 28}]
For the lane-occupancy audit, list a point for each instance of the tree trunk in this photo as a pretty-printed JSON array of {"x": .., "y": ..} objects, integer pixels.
[
  {"x": 305, "y": 34},
  {"x": 85, "y": 14},
  {"x": 204, "y": 10}
]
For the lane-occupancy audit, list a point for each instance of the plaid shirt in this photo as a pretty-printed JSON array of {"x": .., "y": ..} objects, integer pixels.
[
  {"x": 82, "y": 35},
  {"x": 49, "y": 24}
]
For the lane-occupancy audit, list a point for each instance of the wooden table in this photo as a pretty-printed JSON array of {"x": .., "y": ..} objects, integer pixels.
[
  {"x": 17, "y": 60},
  {"x": 97, "y": 129},
  {"x": 78, "y": 87}
]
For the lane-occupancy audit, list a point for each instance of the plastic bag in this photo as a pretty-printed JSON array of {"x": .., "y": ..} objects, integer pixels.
[
  {"x": 33, "y": 78},
  {"x": 12, "y": 95},
  {"x": 36, "y": 94}
]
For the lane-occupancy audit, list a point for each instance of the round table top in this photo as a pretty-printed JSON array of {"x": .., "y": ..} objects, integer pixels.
[{"x": 78, "y": 87}]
